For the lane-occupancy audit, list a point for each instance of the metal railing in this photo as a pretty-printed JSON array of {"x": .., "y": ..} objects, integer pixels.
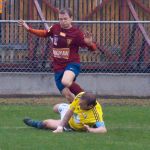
[{"x": 122, "y": 47}]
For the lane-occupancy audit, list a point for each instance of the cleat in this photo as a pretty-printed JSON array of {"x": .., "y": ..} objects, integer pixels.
[{"x": 27, "y": 121}]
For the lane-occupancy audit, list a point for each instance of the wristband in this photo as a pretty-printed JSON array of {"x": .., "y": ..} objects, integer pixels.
[{"x": 93, "y": 46}]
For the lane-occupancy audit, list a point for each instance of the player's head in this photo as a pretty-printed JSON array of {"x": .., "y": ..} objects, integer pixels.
[
  {"x": 65, "y": 18},
  {"x": 87, "y": 101}
]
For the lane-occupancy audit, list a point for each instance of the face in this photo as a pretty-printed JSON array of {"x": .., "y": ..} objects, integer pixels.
[
  {"x": 65, "y": 21},
  {"x": 83, "y": 105}
]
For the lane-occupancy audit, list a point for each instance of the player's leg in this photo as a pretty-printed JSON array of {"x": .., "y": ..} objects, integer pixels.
[
  {"x": 68, "y": 78},
  {"x": 51, "y": 123},
  {"x": 46, "y": 124},
  {"x": 65, "y": 81},
  {"x": 61, "y": 109},
  {"x": 34, "y": 123},
  {"x": 72, "y": 70},
  {"x": 55, "y": 108},
  {"x": 70, "y": 74},
  {"x": 64, "y": 90},
  {"x": 68, "y": 94},
  {"x": 75, "y": 88}
]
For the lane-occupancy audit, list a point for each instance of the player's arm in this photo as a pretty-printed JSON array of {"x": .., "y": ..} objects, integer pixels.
[
  {"x": 99, "y": 128},
  {"x": 41, "y": 33},
  {"x": 64, "y": 121},
  {"x": 86, "y": 40},
  {"x": 89, "y": 41},
  {"x": 22, "y": 23}
]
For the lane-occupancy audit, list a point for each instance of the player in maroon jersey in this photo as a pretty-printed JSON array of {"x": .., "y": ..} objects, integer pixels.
[{"x": 66, "y": 42}]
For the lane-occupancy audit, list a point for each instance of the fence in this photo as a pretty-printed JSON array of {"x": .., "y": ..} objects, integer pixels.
[
  {"x": 82, "y": 9},
  {"x": 122, "y": 47}
]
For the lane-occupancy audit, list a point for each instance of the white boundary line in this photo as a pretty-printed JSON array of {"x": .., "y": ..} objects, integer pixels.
[
  {"x": 9, "y": 127},
  {"x": 129, "y": 127}
]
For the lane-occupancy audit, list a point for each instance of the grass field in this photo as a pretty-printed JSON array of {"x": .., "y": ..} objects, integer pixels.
[{"x": 128, "y": 129}]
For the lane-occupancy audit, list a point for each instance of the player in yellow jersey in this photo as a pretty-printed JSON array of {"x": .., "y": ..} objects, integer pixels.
[{"x": 83, "y": 114}]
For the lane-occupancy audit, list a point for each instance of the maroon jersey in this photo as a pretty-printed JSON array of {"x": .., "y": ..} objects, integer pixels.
[{"x": 66, "y": 43}]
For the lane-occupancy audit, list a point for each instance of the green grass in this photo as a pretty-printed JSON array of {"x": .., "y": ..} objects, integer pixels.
[{"x": 128, "y": 129}]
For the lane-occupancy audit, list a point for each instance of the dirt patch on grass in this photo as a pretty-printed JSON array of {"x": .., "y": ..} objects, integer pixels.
[{"x": 57, "y": 99}]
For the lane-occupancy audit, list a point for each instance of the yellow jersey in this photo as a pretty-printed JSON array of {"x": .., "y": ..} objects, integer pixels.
[{"x": 80, "y": 117}]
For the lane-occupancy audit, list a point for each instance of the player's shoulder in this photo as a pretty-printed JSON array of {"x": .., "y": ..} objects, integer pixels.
[
  {"x": 76, "y": 100},
  {"x": 56, "y": 26},
  {"x": 78, "y": 96},
  {"x": 98, "y": 106},
  {"x": 76, "y": 29}
]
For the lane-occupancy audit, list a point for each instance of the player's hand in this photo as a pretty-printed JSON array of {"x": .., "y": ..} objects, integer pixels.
[
  {"x": 88, "y": 38},
  {"x": 58, "y": 130},
  {"x": 87, "y": 128},
  {"x": 23, "y": 23}
]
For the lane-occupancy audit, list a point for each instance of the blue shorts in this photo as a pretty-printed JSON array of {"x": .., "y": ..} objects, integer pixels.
[{"x": 74, "y": 67}]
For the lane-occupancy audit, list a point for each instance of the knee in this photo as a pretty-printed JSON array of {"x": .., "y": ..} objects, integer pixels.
[
  {"x": 48, "y": 123},
  {"x": 55, "y": 108},
  {"x": 45, "y": 123},
  {"x": 66, "y": 83}
]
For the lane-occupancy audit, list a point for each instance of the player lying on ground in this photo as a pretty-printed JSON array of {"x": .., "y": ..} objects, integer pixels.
[{"x": 83, "y": 114}]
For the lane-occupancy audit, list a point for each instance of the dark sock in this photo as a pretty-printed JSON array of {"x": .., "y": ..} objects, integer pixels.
[
  {"x": 37, "y": 124},
  {"x": 34, "y": 123},
  {"x": 75, "y": 88}
]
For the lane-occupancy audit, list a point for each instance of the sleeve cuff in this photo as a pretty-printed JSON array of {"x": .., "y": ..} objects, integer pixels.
[{"x": 93, "y": 47}]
